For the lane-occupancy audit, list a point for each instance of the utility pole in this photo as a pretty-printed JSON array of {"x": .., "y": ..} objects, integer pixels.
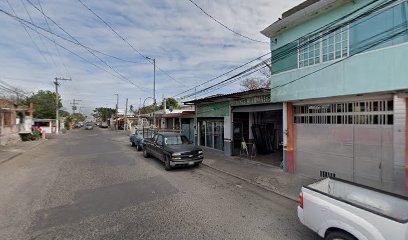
[
  {"x": 154, "y": 88},
  {"x": 57, "y": 102},
  {"x": 116, "y": 115},
  {"x": 138, "y": 117},
  {"x": 74, "y": 105},
  {"x": 125, "y": 124}
]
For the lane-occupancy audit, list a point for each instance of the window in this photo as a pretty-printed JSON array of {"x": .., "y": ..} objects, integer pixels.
[
  {"x": 324, "y": 47},
  {"x": 378, "y": 112},
  {"x": 159, "y": 140},
  {"x": 176, "y": 140}
]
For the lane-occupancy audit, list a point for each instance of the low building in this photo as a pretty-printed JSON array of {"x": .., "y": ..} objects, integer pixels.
[
  {"x": 47, "y": 125},
  {"x": 13, "y": 120},
  {"x": 225, "y": 121}
]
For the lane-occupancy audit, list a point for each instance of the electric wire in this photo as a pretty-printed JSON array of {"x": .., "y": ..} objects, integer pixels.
[
  {"x": 295, "y": 49},
  {"x": 53, "y": 39},
  {"x": 31, "y": 38},
  {"x": 126, "y": 41},
  {"x": 73, "y": 38},
  {"x": 215, "y": 78},
  {"x": 225, "y": 26}
]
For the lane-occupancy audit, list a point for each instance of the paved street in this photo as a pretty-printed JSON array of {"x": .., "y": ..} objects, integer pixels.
[{"x": 93, "y": 185}]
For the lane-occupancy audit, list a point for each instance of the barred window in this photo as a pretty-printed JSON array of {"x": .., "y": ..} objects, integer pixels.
[{"x": 364, "y": 112}]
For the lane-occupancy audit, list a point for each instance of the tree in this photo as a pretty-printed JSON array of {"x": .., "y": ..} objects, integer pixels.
[
  {"x": 254, "y": 83},
  {"x": 103, "y": 113},
  {"x": 78, "y": 117},
  {"x": 170, "y": 102},
  {"x": 43, "y": 104},
  {"x": 263, "y": 81}
]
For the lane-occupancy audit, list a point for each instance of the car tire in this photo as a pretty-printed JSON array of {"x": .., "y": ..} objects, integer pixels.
[
  {"x": 145, "y": 153},
  {"x": 196, "y": 164},
  {"x": 133, "y": 144},
  {"x": 167, "y": 163},
  {"x": 339, "y": 235},
  {"x": 139, "y": 148}
]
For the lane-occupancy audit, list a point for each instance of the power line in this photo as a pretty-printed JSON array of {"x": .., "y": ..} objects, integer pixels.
[
  {"x": 215, "y": 78},
  {"x": 73, "y": 38},
  {"x": 45, "y": 46},
  {"x": 55, "y": 45},
  {"x": 29, "y": 35},
  {"x": 126, "y": 41},
  {"x": 223, "y": 25},
  {"x": 251, "y": 70},
  {"x": 66, "y": 49},
  {"x": 288, "y": 52},
  {"x": 362, "y": 49}
]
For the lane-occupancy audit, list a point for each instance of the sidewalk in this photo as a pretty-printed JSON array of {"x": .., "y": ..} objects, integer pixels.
[
  {"x": 13, "y": 150},
  {"x": 266, "y": 176}
]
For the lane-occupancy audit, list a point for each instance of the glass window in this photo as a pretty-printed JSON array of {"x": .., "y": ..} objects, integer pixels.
[
  {"x": 176, "y": 140},
  {"x": 209, "y": 134}
]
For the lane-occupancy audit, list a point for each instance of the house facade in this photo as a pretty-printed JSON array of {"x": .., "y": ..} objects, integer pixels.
[
  {"x": 223, "y": 122},
  {"x": 340, "y": 69},
  {"x": 13, "y": 120}
]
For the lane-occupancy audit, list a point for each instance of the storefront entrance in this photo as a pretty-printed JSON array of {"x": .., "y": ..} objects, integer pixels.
[
  {"x": 256, "y": 125},
  {"x": 211, "y": 134}
]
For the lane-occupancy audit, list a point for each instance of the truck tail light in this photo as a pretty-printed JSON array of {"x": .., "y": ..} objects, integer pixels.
[{"x": 301, "y": 200}]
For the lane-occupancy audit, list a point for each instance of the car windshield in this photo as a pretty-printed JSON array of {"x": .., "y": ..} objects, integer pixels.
[{"x": 176, "y": 140}]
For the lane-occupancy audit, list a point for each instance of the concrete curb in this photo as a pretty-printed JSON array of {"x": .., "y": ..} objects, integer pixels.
[
  {"x": 20, "y": 153},
  {"x": 253, "y": 183}
]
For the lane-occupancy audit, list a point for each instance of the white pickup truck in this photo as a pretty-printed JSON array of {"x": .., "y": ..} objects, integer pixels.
[{"x": 338, "y": 209}]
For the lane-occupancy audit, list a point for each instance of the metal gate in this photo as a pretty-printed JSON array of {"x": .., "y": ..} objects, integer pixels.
[{"x": 350, "y": 140}]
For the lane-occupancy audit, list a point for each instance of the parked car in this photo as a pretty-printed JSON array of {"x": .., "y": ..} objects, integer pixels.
[
  {"x": 104, "y": 125},
  {"x": 338, "y": 209},
  {"x": 136, "y": 139},
  {"x": 174, "y": 149},
  {"x": 88, "y": 126}
]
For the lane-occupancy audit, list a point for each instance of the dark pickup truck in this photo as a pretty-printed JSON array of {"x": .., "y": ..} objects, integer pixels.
[{"x": 174, "y": 149}]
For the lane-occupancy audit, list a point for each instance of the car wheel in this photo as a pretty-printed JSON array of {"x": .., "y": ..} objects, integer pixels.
[
  {"x": 196, "y": 164},
  {"x": 167, "y": 164},
  {"x": 138, "y": 148},
  {"x": 133, "y": 144},
  {"x": 339, "y": 235},
  {"x": 145, "y": 153}
]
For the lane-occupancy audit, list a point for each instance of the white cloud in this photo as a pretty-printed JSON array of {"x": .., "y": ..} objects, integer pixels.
[{"x": 187, "y": 44}]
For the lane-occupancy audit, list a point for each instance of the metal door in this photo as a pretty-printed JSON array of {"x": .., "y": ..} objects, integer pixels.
[{"x": 349, "y": 140}]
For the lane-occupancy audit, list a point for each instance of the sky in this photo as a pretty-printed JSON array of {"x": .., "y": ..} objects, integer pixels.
[{"x": 189, "y": 47}]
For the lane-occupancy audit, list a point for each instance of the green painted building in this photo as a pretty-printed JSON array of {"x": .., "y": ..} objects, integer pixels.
[{"x": 340, "y": 69}]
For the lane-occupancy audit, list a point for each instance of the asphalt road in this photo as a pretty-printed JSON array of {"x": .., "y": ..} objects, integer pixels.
[{"x": 93, "y": 185}]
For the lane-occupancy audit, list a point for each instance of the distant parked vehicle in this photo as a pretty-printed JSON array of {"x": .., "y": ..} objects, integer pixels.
[
  {"x": 174, "y": 149},
  {"x": 338, "y": 209},
  {"x": 137, "y": 139},
  {"x": 88, "y": 126},
  {"x": 104, "y": 125}
]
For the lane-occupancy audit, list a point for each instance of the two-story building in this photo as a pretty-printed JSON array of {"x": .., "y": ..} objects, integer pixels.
[{"x": 340, "y": 68}]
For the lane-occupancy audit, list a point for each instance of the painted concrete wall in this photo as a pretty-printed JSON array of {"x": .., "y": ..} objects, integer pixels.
[
  {"x": 220, "y": 109},
  {"x": 376, "y": 71},
  {"x": 372, "y": 71}
]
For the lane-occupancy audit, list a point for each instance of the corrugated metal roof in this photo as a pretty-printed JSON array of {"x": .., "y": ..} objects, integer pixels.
[{"x": 221, "y": 97}]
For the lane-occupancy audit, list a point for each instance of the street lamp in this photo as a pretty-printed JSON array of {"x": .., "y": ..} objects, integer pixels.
[{"x": 154, "y": 87}]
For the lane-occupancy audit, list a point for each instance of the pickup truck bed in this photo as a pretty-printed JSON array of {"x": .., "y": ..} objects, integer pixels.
[{"x": 359, "y": 211}]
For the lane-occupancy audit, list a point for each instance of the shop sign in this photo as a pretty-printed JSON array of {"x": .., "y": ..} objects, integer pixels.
[{"x": 252, "y": 100}]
